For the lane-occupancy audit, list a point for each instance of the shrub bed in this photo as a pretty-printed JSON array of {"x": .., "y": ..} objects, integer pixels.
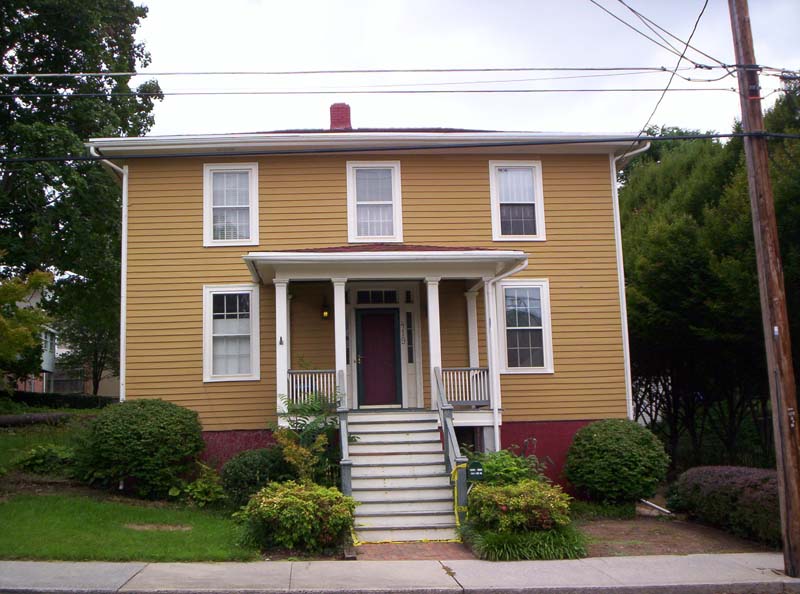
[
  {"x": 300, "y": 516},
  {"x": 47, "y": 459},
  {"x": 526, "y": 505},
  {"x": 505, "y": 468},
  {"x": 56, "y": 400},
  {"x": 151, "y": 443},
  {"x": 249, "y": 471},
  {"x": 616, "y": 461},
  {"x": 738, "y": 499},
  {"x": 565, "y": 542}
]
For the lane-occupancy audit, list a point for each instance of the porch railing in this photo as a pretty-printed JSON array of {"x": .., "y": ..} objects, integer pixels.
[
  {"x": 453, "y": 458},
  {"x": 466, "y": 386},
  {"x": 303, "y": 382},
  {"x": 346, "y": 464}
]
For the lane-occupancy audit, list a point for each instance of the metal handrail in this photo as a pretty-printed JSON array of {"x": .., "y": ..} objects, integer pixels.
[
  {"x": 344, "y": 437},
  {"x": 453, "y": 458}
]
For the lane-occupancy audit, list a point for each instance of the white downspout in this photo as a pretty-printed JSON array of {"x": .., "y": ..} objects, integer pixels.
[
  {"x": 123, "y": 293},
  {"x": 491, "y": 341},
  {"x": 623, "y": 304}
]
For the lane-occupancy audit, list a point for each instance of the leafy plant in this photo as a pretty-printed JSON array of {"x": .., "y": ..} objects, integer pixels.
[
  {"x": 47, "y": 459},
  {"x": 738, "y": 499},
  {"x": 309, "y": 439},
  {"x": 505, "y": 468},
  {"x": 564, "y": 542},
  {"x": 249, "y": 471},
  {"x": 204, "y": 490},
  {"x": 616, "y": 461},
  {"x": 150, "y": 443},
  {"x": 298, "y": 516},
  {"x": 526, "y": 505}
]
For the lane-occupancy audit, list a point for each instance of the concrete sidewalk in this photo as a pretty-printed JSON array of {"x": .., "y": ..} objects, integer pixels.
[{"x": 733, "y": 573}]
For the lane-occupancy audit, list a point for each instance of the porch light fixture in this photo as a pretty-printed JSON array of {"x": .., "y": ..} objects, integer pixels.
[{"x": 325, "y": 311}]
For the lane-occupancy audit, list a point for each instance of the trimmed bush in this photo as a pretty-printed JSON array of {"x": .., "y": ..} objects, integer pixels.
[
  {"x": 616, "y": 461},
  {"x": 565, "y": 542},
  {"x": 300, "y": 516},
  {"x": 149, "y": 443},
  {"x": 56, "y": 400},
  {"x": 47, "y": 459},
  {"x": 741, "y": 500},
  {"x": 526, "y": 505},
  {"x": 506, "y": 468},
  {"x": 249, "y": 471}
]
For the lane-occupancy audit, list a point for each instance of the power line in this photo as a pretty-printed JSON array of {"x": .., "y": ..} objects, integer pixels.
[
  {"x": 358, "y": 92},
  {"x": 672, "y": 76},
  {"x": 327, "y": 72},
  {"x": 453, "y": 145}
]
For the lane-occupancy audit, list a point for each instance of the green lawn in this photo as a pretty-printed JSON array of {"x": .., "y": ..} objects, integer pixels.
[
  {"x": 78, "y": 528},
  {"x": 16, "y": 440}
]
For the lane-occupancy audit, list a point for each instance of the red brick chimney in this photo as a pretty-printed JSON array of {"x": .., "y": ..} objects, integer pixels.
[{"x": 340, "y": 117}]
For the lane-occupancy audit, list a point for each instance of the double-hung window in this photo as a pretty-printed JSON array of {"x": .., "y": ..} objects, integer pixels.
[
  {"x": 230, "y": 333},
  {"x": 524, "y": 308},
  {"x": 517, "y": 203},
  {"x": 230, "y": 204},
  {"x": 374, "y": 210}
]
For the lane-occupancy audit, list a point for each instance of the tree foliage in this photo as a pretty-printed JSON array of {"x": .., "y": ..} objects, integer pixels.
[
  {"x": 21, "y": 325},
  {"x": 65, "y": 216},
  {"x": 692, "y": 286}
]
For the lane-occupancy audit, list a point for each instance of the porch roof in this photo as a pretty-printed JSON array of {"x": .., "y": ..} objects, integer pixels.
[{"x": 382, "y": 262}]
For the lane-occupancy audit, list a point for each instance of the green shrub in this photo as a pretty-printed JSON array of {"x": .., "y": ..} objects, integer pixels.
[
  {"x": 47, "y": 459},
  {"x": 738, "y": 499},
  {"x": 616, "y": 461},
  {"x": 564, "y": 542},
  {"x": 150, "y": 444},
  {"x": 301, "y": 516},
  {"x": 56, "y": 400},
  {"x": 204, "y": 490},
  {"x": 526, "y": 505},
  {"x": 505, "y": 468},
  {"x": 249, "y": 471}
]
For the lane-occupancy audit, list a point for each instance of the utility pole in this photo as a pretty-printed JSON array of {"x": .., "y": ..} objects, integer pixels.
[{"x": 782, "y": 387}]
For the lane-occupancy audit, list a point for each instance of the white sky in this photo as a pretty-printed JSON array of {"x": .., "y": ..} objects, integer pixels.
[{"x": 184, "y": 35}]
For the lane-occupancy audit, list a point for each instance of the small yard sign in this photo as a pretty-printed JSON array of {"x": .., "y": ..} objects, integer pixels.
[{"x": 474, "y": 471}]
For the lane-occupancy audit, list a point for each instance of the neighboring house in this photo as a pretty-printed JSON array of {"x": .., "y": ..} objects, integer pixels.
[{"x": 410, "y": 268}]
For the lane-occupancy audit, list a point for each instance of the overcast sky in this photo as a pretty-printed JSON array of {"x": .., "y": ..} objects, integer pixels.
[{"x": 303, "y": 35}]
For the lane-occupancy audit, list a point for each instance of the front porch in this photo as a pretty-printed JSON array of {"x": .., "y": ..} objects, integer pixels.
[{"x": 389, "y": 329}]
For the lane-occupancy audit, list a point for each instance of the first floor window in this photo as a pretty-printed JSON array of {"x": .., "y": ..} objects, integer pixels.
[
  {"x": 231, "y": 332},
  {"x": 525, "y": 310}
]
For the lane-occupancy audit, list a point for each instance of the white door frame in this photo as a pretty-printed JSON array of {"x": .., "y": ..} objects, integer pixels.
[{"x": 401, "y": 287}]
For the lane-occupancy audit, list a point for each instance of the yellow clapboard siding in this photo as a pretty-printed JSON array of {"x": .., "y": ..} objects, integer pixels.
[{"x": 303, "y": 205}]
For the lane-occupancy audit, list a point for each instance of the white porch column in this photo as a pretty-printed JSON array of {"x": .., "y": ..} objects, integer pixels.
[
  {"x": 472, "y": 327},
  {"x": 490, "y": 303},
  {"x": 282, "y": 343},
  {"x": 434, "y": 334},
  {"x": 340, "y": 332}
]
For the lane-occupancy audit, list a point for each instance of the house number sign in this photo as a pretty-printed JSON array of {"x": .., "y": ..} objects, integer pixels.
[{"x": 474, "y": 471}]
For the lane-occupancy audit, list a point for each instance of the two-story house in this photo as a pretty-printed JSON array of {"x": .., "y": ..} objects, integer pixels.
[{"x": 415, "y": 272}]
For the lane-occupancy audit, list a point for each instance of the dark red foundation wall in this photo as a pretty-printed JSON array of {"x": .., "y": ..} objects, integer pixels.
[
  {"x": 553, "y": 439},
  {"x": 221, "y": 446}
]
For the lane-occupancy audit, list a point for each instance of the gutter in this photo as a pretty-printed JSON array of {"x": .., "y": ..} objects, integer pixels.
[
  {"x": 490, "y": 308},
  {"x": 122, "y": 175},
  {"x": 623, "y": 159}
]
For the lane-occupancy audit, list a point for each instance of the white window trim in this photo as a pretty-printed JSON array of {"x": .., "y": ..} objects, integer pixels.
[
  {"x": 547, "y": 335},
  {"x": 255, "y": 339},
  {"x": 397, "y": 203},
  {"x": 538, "y": 200},
  {"x": 208, "y": 203}
]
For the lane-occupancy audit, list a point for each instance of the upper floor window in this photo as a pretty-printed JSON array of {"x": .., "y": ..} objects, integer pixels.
[
  {"x": 230, "y": 333},
  {"x": 524, "y": 312},
  {"x": 517, "y": 205},
  {"x": 374, "y": 210},
  {"x": 230, "y": 201}
]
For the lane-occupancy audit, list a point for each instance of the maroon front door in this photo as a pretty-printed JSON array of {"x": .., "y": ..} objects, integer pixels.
[{"x": 378, "y": 351}]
